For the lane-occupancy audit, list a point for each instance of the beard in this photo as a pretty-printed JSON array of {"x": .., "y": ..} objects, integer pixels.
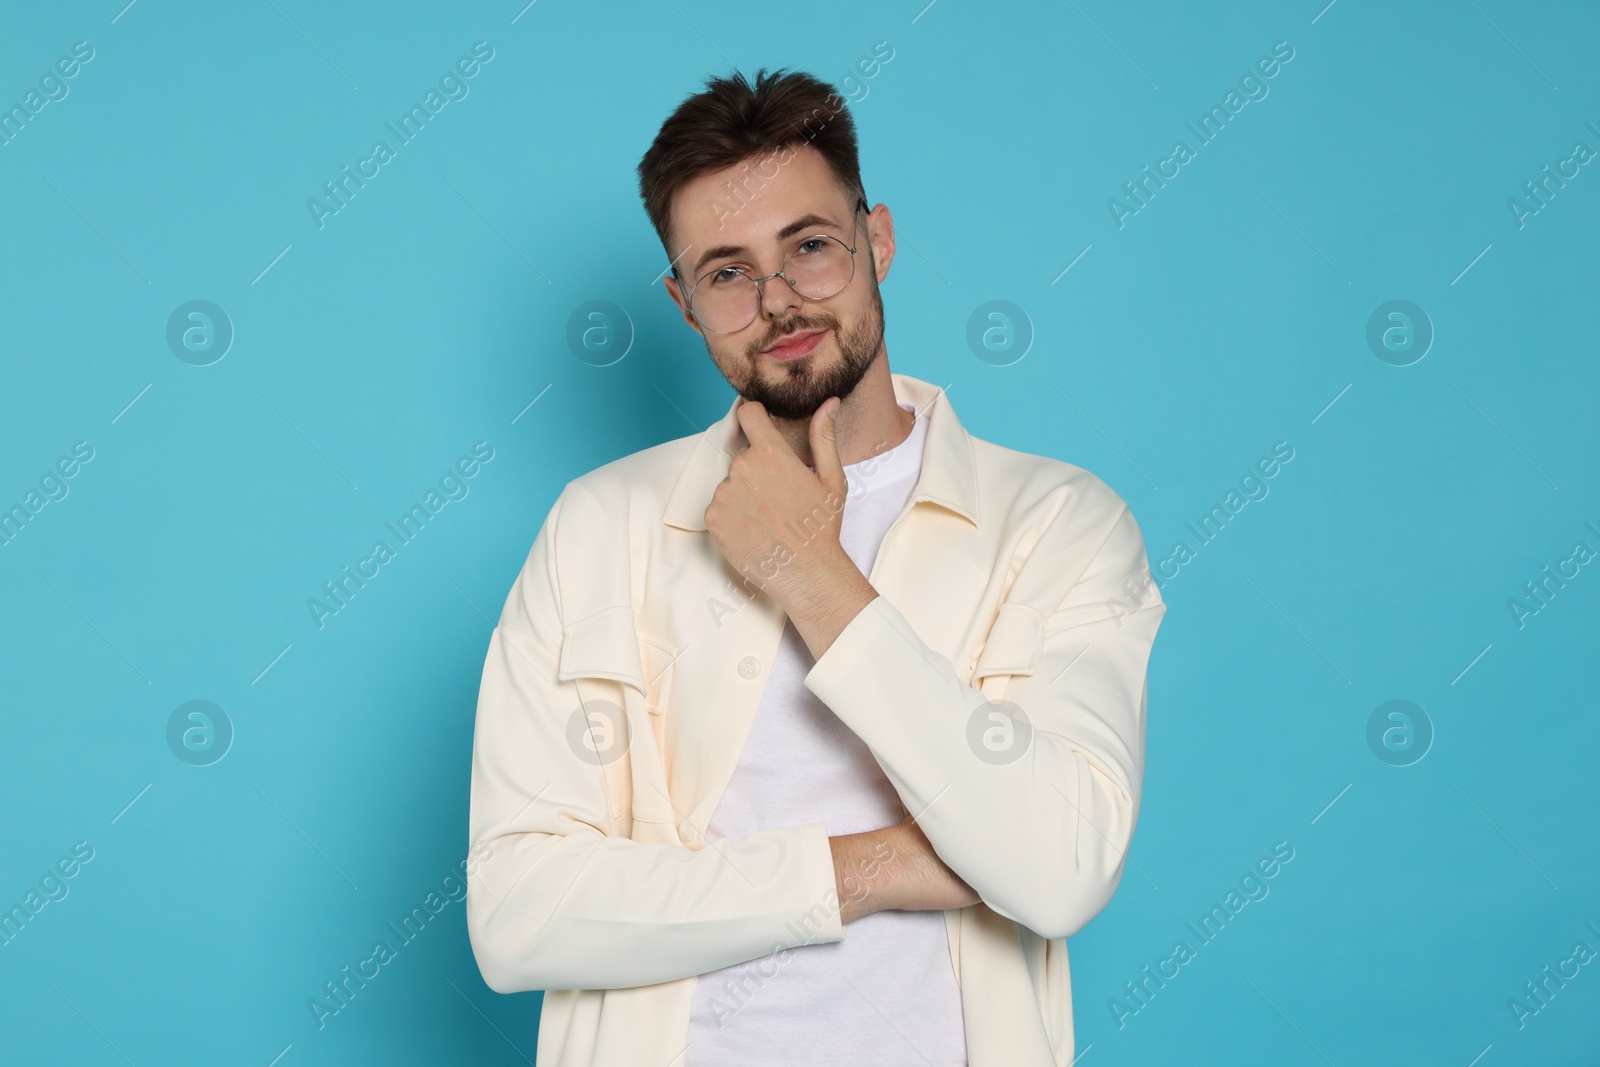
[{"x": 802, "y": 387}]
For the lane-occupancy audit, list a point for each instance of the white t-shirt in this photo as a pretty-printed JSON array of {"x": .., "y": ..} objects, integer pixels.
[{"x": 886, "y": 994}]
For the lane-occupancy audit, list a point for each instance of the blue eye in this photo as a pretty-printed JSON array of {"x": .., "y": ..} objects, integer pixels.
[
  {"x": 810, "y": 246},
  {"x": 725, "y": 275}
]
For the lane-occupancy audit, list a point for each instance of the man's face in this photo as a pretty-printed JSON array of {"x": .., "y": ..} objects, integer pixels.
[{"x": 751, "y": 223}]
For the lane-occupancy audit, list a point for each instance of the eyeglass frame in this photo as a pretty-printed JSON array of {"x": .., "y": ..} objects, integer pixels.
[{"x": 861, "y": 202}]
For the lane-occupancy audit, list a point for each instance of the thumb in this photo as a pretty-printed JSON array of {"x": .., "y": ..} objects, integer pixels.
[{"x": 825, "y": 448}]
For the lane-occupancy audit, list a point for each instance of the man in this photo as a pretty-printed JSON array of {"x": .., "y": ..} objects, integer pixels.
[{"x": 810, "y": 738}]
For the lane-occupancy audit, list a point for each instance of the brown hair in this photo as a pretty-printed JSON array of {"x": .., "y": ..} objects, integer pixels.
[{"x": 731, "y": 121}]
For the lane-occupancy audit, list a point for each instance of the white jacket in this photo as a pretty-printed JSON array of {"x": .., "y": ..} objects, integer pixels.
[{"x": 626, "y": 668}]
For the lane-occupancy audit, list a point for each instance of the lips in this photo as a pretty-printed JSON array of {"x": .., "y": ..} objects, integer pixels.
[{"x": 796, "y": 344}]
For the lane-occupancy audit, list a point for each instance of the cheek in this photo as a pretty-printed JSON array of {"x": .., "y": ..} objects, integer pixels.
[{"x": 734, "y": 356}]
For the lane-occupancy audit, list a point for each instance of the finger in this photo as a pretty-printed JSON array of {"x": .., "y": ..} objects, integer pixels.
[
  {"x": 755, "y": 421},
  {"x": 825, "y": 447}
]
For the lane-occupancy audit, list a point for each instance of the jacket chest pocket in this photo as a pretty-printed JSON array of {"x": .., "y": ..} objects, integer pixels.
[
  {"x": 1014, "y": 647},
  {"x": 615, "y": 716}
]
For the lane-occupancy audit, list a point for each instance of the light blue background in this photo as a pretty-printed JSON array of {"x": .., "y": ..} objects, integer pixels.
[{"x": 1227, "y": 315}]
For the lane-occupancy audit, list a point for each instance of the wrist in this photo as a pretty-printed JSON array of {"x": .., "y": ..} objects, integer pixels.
[{"x": 823, "y": 601}]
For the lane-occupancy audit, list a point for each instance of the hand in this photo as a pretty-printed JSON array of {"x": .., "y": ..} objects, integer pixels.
[{"x": 774, "y": 520}]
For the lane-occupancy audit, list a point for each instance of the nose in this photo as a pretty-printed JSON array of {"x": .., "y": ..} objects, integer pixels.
[{"x": 778, "y": 297}]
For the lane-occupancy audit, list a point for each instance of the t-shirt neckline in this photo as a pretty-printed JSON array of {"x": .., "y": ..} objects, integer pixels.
[{"x": 894, "y": 463}]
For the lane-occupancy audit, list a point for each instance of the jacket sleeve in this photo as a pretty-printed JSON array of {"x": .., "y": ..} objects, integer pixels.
[
  {"x": 557, "y": 896},
  {"x": 1039, "y": 823}
]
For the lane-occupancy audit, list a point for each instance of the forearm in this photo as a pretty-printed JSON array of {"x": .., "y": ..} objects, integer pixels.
[
  {"x": 864, "y": 869},
  {"x": 566, "y": 899},
  {"x": 586, "y": 911},
  {"x": 821, "y": 599},
  {"x": 1040, "y": 837}
]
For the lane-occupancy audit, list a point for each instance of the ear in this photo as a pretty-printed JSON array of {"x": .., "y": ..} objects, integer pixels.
[
  {"x": 881, "y": 228},
  {"x": 675, "y": 291}
]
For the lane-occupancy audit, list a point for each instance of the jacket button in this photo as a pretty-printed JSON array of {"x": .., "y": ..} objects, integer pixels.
[
  {"x": 749, "y": 667},
  {"x": 686, "y": 830}
]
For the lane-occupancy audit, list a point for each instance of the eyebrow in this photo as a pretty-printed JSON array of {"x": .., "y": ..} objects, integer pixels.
[{"x": 804, "y": 222}]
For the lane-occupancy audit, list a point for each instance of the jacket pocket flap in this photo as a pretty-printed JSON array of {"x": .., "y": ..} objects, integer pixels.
[
  {"x": 1015, "y": 642},
  {"x": 605, "y": 645}
]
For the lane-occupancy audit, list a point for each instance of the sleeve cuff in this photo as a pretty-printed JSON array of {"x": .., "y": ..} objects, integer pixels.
[{"x": 823, "y": 916}]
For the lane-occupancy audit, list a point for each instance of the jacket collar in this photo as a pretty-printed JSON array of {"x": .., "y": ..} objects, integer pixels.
[{"x": 949, "y": 474}]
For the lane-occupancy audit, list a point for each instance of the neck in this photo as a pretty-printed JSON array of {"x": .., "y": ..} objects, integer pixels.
[{"x": 870, "y": 421}]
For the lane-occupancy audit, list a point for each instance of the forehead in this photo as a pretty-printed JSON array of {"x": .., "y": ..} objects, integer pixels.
[{"x": 746, "y": 204}]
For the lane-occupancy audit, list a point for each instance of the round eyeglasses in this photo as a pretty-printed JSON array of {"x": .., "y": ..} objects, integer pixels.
[{"x": 727, "y": 299}]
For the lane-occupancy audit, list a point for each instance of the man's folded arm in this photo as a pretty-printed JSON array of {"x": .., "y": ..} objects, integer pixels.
[
  {"x": 1041, "y": 836},
  {"x": 555, "y": 898}
]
